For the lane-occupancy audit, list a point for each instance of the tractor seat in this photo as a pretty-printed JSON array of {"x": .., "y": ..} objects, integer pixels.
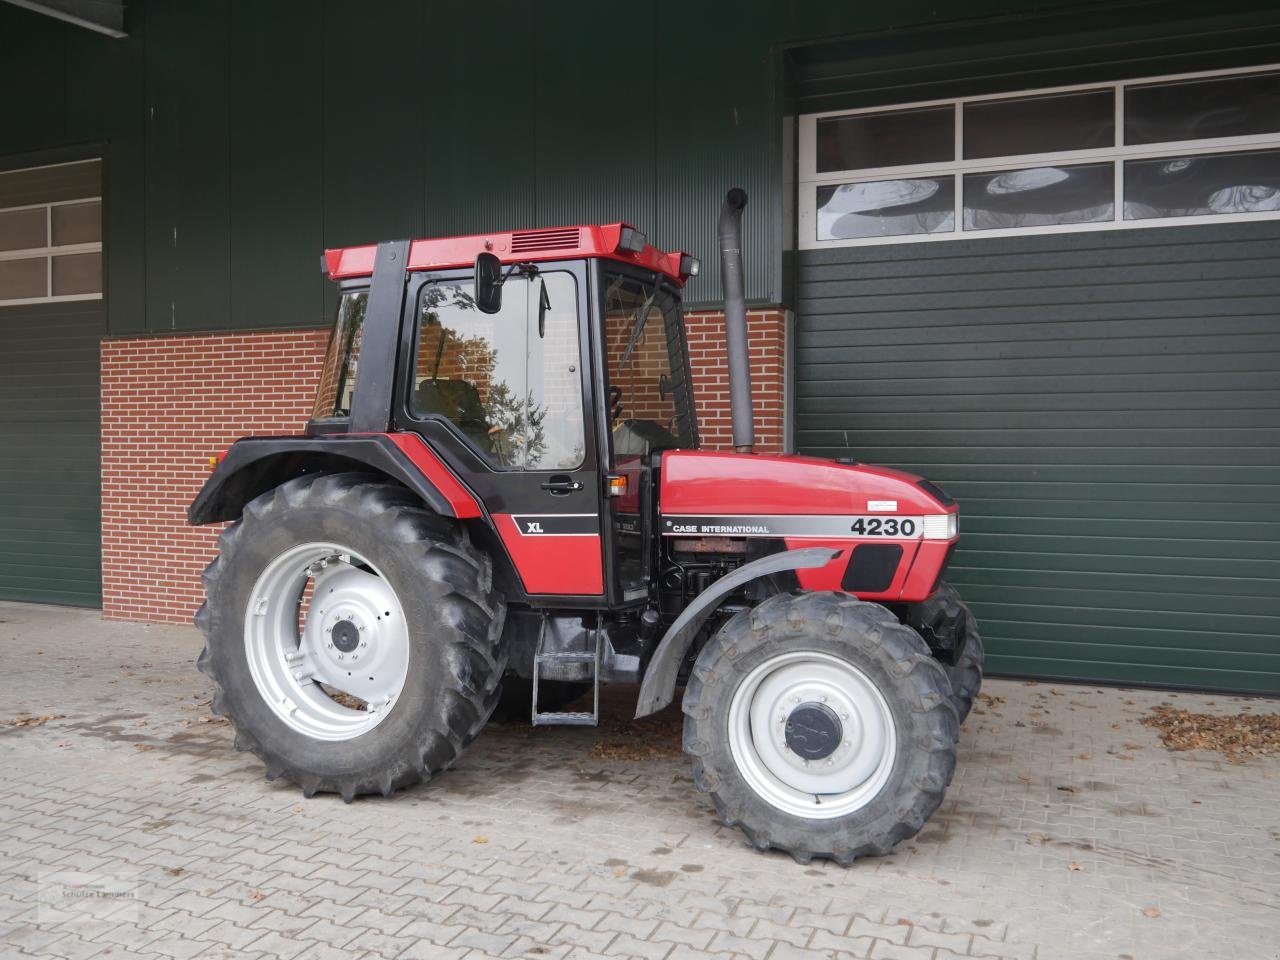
[{"x": 460, "y": 402}]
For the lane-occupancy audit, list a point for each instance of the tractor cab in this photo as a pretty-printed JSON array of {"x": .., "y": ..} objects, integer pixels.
[{"x": 543, "y": 368}]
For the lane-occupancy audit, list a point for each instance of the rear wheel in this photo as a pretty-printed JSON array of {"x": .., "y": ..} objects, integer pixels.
[
  {"x": 821, "y": 726},
  {"x": 353, "y": 635}
]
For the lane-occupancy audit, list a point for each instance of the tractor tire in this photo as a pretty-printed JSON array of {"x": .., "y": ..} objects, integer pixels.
[
  {"x": 515, "y": 702},
  {"x": 820, "y": 672},
  {"x": 945, "y": 612},
  {"x": 358, "y": 544}
]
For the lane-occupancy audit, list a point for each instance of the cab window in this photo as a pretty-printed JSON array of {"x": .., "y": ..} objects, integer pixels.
[{"x": 509, "y": 382}]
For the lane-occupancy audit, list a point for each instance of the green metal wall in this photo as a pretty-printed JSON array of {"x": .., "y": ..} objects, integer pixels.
[
  {"x": 1105, "y": 407},
  {"x": 243, "y": 137},
  {"x": 49, "y": 519}
]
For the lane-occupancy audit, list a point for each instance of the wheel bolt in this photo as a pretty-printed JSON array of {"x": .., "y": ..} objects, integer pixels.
[
  {"x": 329, "y": 644},
  {"x": 822, "y": 699},
  {"x": 363, "y": 644}
]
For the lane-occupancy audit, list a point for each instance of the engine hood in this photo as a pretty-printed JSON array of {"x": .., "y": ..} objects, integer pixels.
[{"x": 744, "y": 484}]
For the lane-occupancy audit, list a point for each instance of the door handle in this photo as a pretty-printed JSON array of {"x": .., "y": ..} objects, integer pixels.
[{"x": 561, "y": 486}]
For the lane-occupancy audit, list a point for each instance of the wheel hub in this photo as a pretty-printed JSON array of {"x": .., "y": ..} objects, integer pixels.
[
  {"x": 345, "y": 635},
  {"x": 812, "y": 734},
  {"x": 353, "y": 639},
  {"x": 813, "y": 731}
]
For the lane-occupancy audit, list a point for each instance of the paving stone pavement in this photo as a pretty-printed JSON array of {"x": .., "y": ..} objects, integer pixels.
[{"x": 1069, "y": 832}]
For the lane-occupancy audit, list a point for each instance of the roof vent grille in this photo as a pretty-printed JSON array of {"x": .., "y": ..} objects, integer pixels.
[{"x": 564, "y": 238}]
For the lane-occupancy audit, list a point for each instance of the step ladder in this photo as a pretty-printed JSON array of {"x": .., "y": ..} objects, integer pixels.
[{"x": 543, "y": 658}]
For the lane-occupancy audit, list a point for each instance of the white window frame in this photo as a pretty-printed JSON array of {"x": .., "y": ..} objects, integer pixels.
[{"x": 809, "y": 179}]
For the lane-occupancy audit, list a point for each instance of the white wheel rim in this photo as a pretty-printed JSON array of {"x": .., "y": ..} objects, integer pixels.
[
  {"x": 354, "y": 640},
  {"x": 846, "y": 779}
]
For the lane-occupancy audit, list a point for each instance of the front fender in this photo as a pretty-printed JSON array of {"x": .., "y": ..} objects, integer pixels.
[
  {"x": 660, "y": 677},
  {"x": 255, "y": 465}
]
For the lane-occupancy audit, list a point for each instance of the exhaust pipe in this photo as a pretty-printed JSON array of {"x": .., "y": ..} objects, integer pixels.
[{"x": 735, "y": 319}]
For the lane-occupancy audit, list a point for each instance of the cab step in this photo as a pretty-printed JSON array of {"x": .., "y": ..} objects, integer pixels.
[{"x": 543, "y": 659}]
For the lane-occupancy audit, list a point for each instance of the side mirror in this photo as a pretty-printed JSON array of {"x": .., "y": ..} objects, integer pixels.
[{"x": 488, "y": 283}]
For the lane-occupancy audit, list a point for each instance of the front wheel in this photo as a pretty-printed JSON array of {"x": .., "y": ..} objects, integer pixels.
[
  {"x": 821, "y": 726},
  {"x": 945, "y": 621}
]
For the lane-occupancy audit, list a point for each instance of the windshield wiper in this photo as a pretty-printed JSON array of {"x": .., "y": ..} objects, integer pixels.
[{"x": 642, "y": 315}]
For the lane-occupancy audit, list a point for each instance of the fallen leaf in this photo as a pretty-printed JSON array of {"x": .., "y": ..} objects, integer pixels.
[
  {"x": 1067, "y": 789},
  {"x": 620, "y": 871},
  {"x": 1082, "y": 756},
  {"x": 297, "y": 809},
  {"x": 1237, "y": 737},
  {"x": 1025, "y": 778},
  {"x": 1035, "y": 839},
  {"x": 480, "y": 839},
  {"x": 1151, "y": 912},
  {"x": 257, "y": 895},
  {"x": 1075, "y": 866},
  {"x": 29, "y": 721}
]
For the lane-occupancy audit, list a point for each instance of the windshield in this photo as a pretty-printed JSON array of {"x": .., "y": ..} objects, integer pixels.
[
  {"x": 338, "y": 375},
  {"x": 650, "y": 400}
]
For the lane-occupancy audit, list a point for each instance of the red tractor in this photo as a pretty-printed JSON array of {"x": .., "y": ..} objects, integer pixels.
[{"x": 500, "y": 497}]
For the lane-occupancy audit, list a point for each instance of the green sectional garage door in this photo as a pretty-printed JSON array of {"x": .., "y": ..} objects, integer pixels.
[
  {"x": 1105, "y": 407},
  {"x": 49, "y": 513}
]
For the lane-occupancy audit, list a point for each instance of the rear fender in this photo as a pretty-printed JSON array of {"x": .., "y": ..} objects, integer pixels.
[
  {"x": 257, "y": 464},
  {"x": 659, "y": 686}
]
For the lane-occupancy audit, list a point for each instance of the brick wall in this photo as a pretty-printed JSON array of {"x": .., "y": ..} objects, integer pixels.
[
  {"x": 168, "y": 403},
  {"x": 766, "y": 336}
]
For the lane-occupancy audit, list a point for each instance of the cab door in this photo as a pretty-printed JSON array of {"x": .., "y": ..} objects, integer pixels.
[{"x": 503, "y": 400}]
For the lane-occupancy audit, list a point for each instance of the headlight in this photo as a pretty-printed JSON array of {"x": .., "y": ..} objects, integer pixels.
[
  {"x": 944, "y": 526},
  {"x": 632, "y": 239}
]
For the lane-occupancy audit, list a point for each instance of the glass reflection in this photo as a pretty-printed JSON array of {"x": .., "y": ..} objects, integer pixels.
[
  {"x": 886, "y": 208},
  {"x": 1039, "y": 196},
  {"x": 1198, "y": 186}
]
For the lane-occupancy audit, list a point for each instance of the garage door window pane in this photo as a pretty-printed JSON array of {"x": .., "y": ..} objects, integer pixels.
[
  {"x": 891, "y": 139},
  {"x": 886, "y": 208},
  {"x": 1202, "y": 109},
  {"x": 1065, "y": 121},
  {"x": 22, "y": 229},
  {"x": 77, "y": 223},
  {"x": 1039, "y": 196},
  {"x": 21, "y": 279},
  {"x": 76, "y": 273},
  {"x": 1204, "y": 185}
]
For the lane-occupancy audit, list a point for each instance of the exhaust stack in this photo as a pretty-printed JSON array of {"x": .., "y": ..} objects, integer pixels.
[{"x": 735, "y": 319}]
